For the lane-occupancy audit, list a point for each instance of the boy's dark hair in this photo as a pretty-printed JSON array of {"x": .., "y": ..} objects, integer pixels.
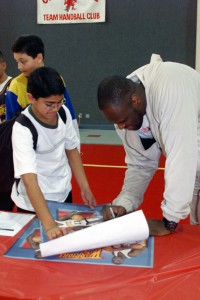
[
  {"x": 45, "y": 82},
  {"x": 32, "y": 45}
]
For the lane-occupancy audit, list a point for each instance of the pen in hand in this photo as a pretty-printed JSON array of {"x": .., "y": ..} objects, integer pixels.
[{"x": 112, "y": 212}]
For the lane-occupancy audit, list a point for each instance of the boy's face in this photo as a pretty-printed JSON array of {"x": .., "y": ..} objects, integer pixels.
[
  {"x": 27, "y": 64},
  {"x": 2, "y": 69},
  {"x": 45, "y": 109}
]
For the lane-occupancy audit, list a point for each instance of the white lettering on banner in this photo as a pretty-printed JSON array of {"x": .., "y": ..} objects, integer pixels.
[{"x": 70, "y": 11}]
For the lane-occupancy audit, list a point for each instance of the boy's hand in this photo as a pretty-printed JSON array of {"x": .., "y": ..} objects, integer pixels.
[
  {"x": 117, "y": 210},
  {"x": 55, "y": 232},
  {"x": 88, "y": 198}
]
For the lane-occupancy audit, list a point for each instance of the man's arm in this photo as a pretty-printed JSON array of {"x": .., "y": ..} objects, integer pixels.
[
  {"x": 176, "y": 112},
  {"x": 40, "y": 206},
  {"x": 141, "y": 166},
  {"x": 76, "y": 165}
]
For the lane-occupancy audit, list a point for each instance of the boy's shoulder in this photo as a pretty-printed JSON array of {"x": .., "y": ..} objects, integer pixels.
[
  {"x": 18, "y": 87},
  {"x": 28, "y": 113},
  {"x": 20, "y": 79}
]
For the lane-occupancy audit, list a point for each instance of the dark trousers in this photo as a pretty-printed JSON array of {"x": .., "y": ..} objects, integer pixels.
[
  {"x": 6, "y": 202},
  {"x": 68, "y": 200}
]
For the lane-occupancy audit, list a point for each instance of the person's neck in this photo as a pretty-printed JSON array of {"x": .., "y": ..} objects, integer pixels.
[
  {"x": 141, "y": 92},
  {"x": 3, "y": 78},
  {"x": 41, "y": 118}
]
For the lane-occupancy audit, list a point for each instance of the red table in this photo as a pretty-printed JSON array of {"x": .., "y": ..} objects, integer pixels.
[{"x": 175, "y": 275}]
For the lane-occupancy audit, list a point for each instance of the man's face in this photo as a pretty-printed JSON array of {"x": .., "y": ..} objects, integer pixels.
[
  {"x": 125, "y": 116},
  {"x": 27, "y": 64}
]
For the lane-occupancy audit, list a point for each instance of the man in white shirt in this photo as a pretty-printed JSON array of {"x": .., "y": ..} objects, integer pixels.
[{"x": 156, "y": 109}]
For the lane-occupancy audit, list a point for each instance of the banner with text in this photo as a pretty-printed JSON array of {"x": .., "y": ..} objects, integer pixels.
[{"x": 70, "y": 11}]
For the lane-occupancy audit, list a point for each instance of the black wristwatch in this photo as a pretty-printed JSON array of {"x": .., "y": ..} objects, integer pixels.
[{"x": 170, "y": 225}]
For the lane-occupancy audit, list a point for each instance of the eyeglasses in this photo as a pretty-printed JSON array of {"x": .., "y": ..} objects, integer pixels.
[{"x": 50, "y": 106}]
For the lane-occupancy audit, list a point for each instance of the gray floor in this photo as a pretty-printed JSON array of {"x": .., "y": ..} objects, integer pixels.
[{"x": 99, "y": 136}]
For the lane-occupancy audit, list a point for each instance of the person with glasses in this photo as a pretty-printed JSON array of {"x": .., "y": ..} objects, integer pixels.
[
  {"x": 156, "y": 110},
  {"x": 29, "y": 53},
  {"x": 45, "y": 173}
]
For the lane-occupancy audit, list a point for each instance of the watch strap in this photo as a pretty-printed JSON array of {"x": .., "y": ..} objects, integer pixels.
[{"x": 170, "y": 225}]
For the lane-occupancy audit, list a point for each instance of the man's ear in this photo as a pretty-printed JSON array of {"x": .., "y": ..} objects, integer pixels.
[
  {"x": 31, "y": 98},
  {"x": 135, "y": 99}
]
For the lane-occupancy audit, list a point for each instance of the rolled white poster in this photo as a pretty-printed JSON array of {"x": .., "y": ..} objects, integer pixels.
[{"x": 127, "y": 229}]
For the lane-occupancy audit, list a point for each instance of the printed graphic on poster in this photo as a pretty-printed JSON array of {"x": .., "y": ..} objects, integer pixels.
[
  {"x": 70, "y": 11},
  {"x": 78, "y": 219}
]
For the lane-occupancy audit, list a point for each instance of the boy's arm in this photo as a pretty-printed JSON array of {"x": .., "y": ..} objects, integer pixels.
[
  {"x": 12, "y": 106},
  {"x": 76, "y": 165},
  {"x": 68, "y": 104},
  {"x": 39, "y": 204}
]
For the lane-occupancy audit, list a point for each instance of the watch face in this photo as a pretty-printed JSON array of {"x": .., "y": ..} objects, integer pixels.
[{"x": 169, "y": 225}]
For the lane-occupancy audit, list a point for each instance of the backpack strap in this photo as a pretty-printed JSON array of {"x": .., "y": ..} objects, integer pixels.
[
  {"x": 62, "y": 114},
  {"x": 25, "y": 121}
]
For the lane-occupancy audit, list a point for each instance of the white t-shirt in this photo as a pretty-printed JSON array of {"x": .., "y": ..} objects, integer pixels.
[
  {"x": 4, "y": 83},
  {"x": 49, "y": 161}
]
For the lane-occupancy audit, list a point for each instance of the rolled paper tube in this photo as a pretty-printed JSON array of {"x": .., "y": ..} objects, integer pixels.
[{"x": 127, "y": 229}]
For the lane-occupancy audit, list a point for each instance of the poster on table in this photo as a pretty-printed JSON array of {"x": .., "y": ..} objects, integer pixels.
[
  {"x": 70, "y": 11},
  {"x": 123, "y": 241}
]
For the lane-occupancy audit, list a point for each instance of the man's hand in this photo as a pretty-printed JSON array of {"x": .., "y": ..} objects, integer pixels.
[
  {"x": 157, "y": 228},
  {"x": 117, "y": 210}
]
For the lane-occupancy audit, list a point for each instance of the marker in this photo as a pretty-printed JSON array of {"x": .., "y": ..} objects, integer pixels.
[
  {"x": 112, "y": 212},
  {"x": 8, "y": 229}
]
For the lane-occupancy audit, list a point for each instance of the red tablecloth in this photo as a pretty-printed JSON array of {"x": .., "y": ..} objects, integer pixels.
[{"x": 175, "y": 275}]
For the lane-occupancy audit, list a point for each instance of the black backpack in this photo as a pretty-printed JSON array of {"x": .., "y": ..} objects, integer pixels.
[{"x": 6, "y": 152}]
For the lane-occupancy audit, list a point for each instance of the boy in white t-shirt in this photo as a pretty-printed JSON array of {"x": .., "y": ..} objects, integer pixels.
[{"x": 46, "y": 173}]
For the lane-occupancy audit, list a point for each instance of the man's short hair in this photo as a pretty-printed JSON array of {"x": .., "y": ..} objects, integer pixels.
[
  {"x": 112, "y": 89},
  {"x": 45, "y": 82},
  {"x": 32, "y": 45}
]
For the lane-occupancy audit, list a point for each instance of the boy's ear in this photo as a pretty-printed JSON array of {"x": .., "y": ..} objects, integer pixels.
[
  {"x": 31, "y": 98},
  {"x": 4, "y": 65},
  {"x": 40, "y": 57}
]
